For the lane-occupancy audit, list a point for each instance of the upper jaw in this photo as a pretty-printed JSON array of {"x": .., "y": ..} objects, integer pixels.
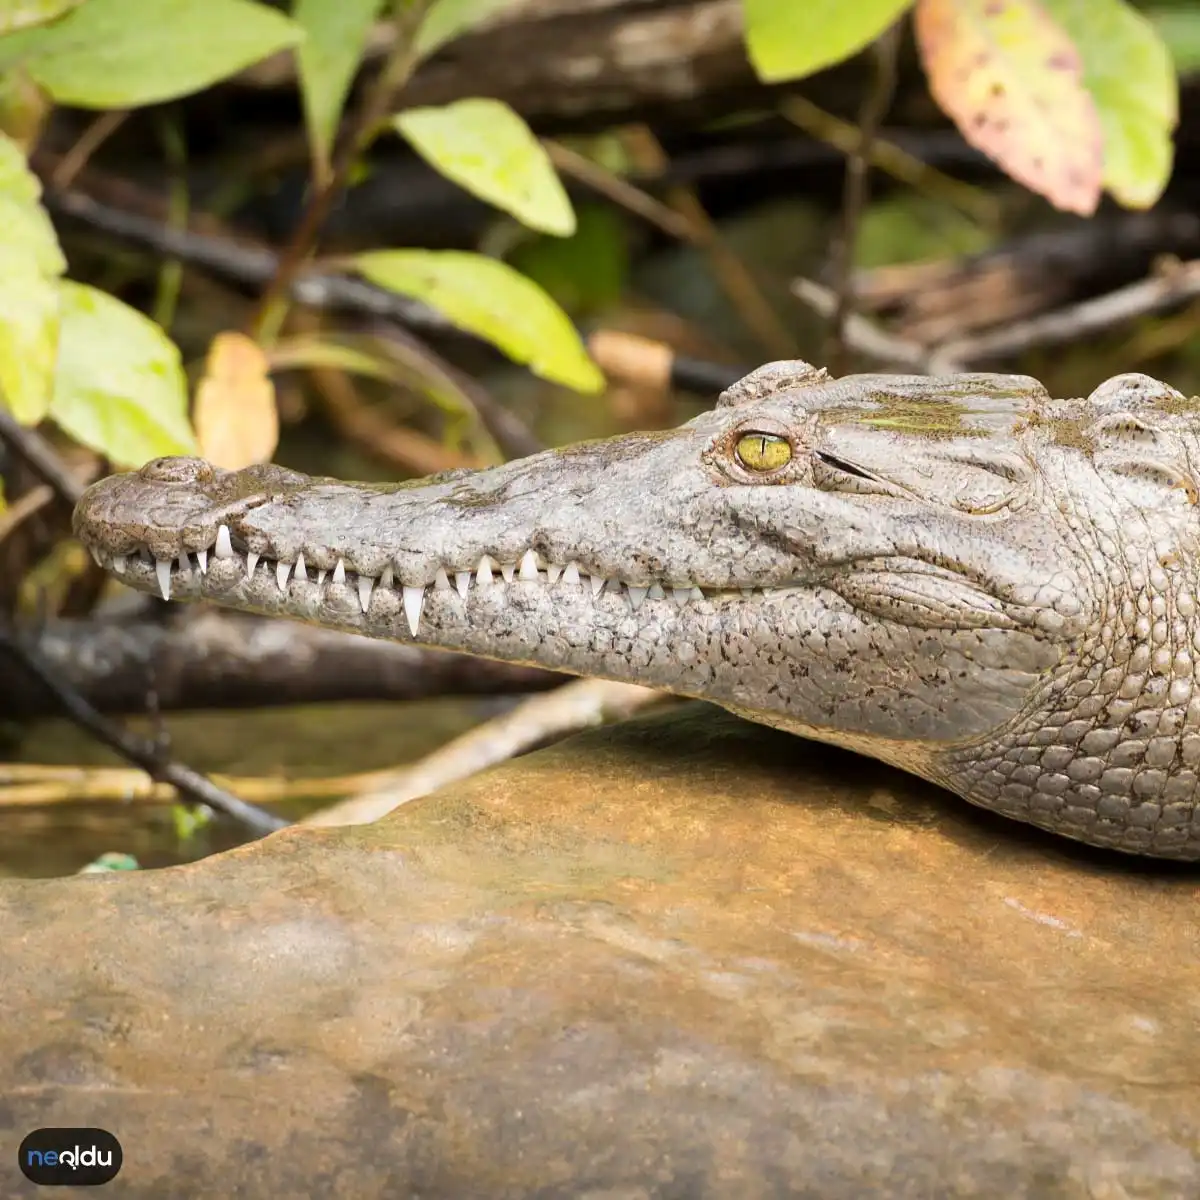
[{"x": 164, "y": 535}]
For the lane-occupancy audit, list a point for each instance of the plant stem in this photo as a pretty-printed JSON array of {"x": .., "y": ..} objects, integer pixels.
[{"x": 402, "y": 59}]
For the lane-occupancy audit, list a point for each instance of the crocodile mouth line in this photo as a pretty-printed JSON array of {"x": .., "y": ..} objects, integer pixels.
[{"x": 489, "y": 573}]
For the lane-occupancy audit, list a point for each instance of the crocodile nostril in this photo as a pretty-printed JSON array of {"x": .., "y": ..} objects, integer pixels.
[{"x": 177, "y": 470}]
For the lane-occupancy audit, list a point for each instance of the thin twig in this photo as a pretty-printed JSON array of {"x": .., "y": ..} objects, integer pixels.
[
  {"x": 734, "y": 277},
  {"x": 567, "y": 709},
  {"x": 865, "y": 337},
  {"x": 619, "y": 191},
  {"x": 514, "y": 438},
  {"x": 92, "y": 138},
  {"x": 24, "y": 785},
  {"x": 399, "y": 64},
  {"x": 41, "y": 458},
  {"x": 24, "y": 507},
  {"x": 369, "y": 428},
  {"x": 137, "y": 750},
  {"x": 887, "y": 155},
  {"x": 1169, "y": 287},
  {"x": 854, "y": 197}
]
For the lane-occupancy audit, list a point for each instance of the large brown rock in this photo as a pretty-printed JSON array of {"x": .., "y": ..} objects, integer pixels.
[{"x": 685, "y": 957}]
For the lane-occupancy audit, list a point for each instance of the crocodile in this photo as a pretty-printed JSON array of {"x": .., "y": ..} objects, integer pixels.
[{"x": 960, "y": 576}]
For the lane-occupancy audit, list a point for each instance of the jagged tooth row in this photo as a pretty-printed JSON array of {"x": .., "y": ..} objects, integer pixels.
[{"x": 529, "y": 569}]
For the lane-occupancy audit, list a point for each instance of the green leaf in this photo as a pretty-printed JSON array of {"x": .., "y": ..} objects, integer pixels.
[
  {"x": 485, "y": 147},
  {"x": 119, "y": 388},
  {"x": 335, "y": 36},
  {"x": 28, "y": 337},
  {"x": 1127, "y": 68},
  {"x": 30, "y": 263},
  {"x": 22, "y": 14},
  {"x": 25, "y": 227},
  {"x": 788, "y": 39},
  {"x": 126, "y": 53},
  {"x": 490, "y": 299},
  {"x": 1180, "y": 29},
  {"x": 449, "y": 18}
]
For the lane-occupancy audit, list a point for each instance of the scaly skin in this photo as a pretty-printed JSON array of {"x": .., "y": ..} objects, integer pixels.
[{"x": 960, "y": 576}]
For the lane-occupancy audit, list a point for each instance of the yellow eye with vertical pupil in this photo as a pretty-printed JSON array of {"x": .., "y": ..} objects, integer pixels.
[{"x": 763, "y": 451}]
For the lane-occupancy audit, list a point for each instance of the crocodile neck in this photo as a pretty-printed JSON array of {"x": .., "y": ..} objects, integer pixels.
[{"x": 959, "y": 576}]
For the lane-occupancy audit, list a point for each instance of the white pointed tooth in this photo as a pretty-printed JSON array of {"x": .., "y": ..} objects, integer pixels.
[
  {"x": 696, "y": 593},
  {"x": 282, "y": 571},
  {"x": 162, "y": 568},
  {"x": 300, "y": 572},
  {"x": 441, "y": 581},
  {"x": 598, "y": 582},
  {"x": 224, "y": 547},
  {"x": 185, "y": 563},
  {"x": 681, "y": 595},
  {"x": 553, "y": 571},
  {"x": 656, "y": 592},
  {"x": 462, "y": 581},
  {"x": 202, "y": 560},
  {"x": 97, "y": 556},
  {"x": 483, "y": 573},
  {"x": 529, "y": 566},
  {"x": 251, "y": 563},
  {"x": 387, "y": 577},
  {"x": 636, "y": 595},
  {"x": 365, "y": 586},
  {"x": 571, "y": 573},
  {"x": 339, "y": 572},
  {"x": 508, "y": 570},
  {"x": 414, "y": 597},
  {"x": 118, "y": 563},
  {"x": 321, "y": 573}
]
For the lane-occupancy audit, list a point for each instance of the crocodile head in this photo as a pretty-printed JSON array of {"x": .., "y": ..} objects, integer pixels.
[{"x": 960, "y": 576}]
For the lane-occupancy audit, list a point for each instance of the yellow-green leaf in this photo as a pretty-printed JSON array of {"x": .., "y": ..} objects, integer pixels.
[
  {"x": 335, "y": 36},
  {"x": 790, "y": 40},
  {"x": 127, "y": 53},
  {"x": 30, "y": 263},
  {"x": 28, "y": 337},
  {"x": 490, "y": 299},
  {"x": 447, "y": 19},
  {"x": 1012, "y": 80},
  {"x": 22, "y": 14},
  {"x": 119, "y": 387},
  {"x": 16, "y": 179},
  {"x": 488, "y": 149},
  {"x": 1128, "y": 70}
]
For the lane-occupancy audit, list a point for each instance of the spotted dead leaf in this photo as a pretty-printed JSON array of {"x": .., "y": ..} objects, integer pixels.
[
  {"x": 236, "y": 420},
  {"x": 1012, "y": 80}
]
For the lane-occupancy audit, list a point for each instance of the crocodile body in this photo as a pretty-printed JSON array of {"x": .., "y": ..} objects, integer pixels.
[{"x": 960, "y": 576}]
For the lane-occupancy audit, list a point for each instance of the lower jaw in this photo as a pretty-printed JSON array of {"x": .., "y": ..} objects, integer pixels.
[{"x": 561, "y": 625}]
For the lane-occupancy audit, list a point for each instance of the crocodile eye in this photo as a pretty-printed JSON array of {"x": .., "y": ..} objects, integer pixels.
[{"x": 763, "y": 451}]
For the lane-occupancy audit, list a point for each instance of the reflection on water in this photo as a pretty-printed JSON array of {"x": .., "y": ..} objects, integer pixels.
[{"x": 302, "y": 742}]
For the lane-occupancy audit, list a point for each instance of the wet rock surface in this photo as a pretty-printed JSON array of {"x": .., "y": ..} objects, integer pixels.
[{"x": 682, "y": 957}]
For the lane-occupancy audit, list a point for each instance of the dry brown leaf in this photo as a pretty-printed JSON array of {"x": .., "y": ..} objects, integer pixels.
[
  {"x": 236, "y": 418},
  {"x": 1012, "y": 80}
]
